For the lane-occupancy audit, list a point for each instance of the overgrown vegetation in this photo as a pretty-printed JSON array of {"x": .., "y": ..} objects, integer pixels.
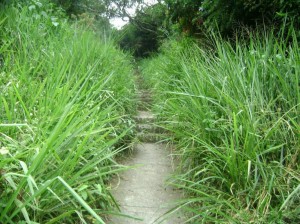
[
  {"x": 142, "y": 36},
  {"x": 196, "y": 18},
  {"x": 65, "y": 105},
  {"x": 233, "y": 111},
  {"x": 232, "y": 107}
]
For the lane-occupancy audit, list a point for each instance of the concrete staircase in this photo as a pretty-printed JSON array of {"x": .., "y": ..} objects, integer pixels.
[{"x": 142, "y": 192}]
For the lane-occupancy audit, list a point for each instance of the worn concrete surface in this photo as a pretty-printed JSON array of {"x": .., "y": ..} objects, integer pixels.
[{"x": 141, "y": 192}]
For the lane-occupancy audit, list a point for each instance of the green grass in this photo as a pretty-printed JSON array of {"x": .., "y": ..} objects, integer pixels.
[
  {"x": 233, "y": 110},
  {"x": 66, "y": 96}
]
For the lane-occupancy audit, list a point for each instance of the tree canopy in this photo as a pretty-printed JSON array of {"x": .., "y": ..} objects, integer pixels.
[
  {"x": 151, "y": 23},
  {"x": 106, "y": 8},
  {"x": 227, "y": 15},
  {"x": 145, "y": 30},
  {"x": 194, "y": 17}
]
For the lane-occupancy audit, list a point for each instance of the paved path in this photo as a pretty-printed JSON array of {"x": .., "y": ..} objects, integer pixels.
[{"x": 141, "y": 192}]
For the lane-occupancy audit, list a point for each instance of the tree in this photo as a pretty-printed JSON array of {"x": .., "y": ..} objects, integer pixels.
[
  {"x": 143, "y": 34},
  {"x": 185, "y": 13},
  {"x": 107, "y": 8},
  {"x": 100, "y": 10},
  {"x": 227, "y": 15}
]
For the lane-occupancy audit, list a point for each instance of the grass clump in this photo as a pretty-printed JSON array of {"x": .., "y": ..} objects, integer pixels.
[
  {"x": 64, "y": 113},
  {"x": 233, "y": 110}
]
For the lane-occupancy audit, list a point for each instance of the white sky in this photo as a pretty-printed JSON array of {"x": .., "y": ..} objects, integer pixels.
[{"x": 119, "y": 23}]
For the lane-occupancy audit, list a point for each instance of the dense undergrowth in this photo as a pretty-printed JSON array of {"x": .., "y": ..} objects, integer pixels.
[
  {"x": 233, "y": 109},
  {"x": 65, "y": 97}
]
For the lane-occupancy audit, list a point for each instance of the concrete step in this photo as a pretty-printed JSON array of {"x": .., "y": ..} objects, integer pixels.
[
  {"x": 144, "y": 106},
  {"x": 144, "y": 117},
  {"x": 152, "y": 137},
  {"x": 150, "y": 128},
  {"x": 145, "y": 103},
  {"x": 147, "y": 100},
  {"x": 145, "y": 96},
  {"x": 144, "y": 92}
]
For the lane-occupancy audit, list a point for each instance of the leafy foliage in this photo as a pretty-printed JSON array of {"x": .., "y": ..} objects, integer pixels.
[
  {"x": 66, "y": 96},
  {"x": 105, "y": 8},
  {"x": 186, "y": 14},
  {"x": 227, "y": 15},
  {"x": 233, "y": 110},
  {"x": 143, "y": 34}
]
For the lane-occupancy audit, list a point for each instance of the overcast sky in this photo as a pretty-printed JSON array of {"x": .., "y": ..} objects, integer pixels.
[{"x": 119, "y": 23}]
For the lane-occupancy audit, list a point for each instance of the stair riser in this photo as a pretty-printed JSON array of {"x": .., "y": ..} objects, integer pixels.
[
  {"x": 145, "y": 100},
  {"x": 144, "y": 120},
  {"x": 153, "y": 129},
  {"x": 151, "y": 138},
  {"x": 144, "y": 106}
]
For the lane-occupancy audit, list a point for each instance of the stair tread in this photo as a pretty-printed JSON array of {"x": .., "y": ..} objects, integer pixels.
[{"x": 144, "y": 115}]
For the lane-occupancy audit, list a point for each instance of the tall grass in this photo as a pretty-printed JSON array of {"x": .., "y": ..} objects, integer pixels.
[
  {"x": 66, "y": 96},
  {"x": 233, "y": 110}
]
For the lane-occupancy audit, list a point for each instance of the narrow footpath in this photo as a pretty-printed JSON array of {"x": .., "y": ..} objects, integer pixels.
[{"x": 142, "y": 192}]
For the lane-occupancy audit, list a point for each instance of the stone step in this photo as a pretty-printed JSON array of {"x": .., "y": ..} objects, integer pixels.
[
  {"x": 144, "y": 117},
  {"x": 146, "y": 100},
  {"x": 150, "y": 128},
  {"x": 144, "y": 92},
  {"x": 145, "y": 96},
  {"x": 152, "y": 137},
  {"x": 144, "y": 106},
  {"x": 141, "y": 84}
]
